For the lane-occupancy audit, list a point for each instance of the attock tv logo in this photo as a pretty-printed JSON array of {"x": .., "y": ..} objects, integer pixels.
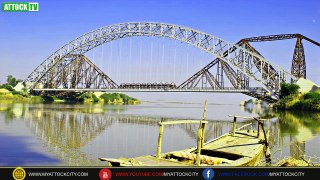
[{"x": 20, "y": 7}]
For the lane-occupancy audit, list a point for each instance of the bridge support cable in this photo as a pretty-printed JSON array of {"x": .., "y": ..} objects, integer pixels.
[
  {"x": 226, "y": 51},
  {"x": 140, "y": 60},
  {"x": 151, "y": 63},
  {"x": 102, "y": 57},
  {"x": 187, "y": 71},
  {"x": 174, "y": 61},
  {"x": 146, "y": 69},
  {"x": 119, "y": 73},
  {"x": 237, "y": 79},
  {"x": 162, "y": 61},
  {"x": 130, "y": 66},
  {"x": 111, "y": 58}
]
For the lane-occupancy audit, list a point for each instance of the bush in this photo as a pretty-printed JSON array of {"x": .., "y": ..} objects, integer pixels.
[
  {"x": 86, "y": 97},
  {"x": 110, "y": 97},
  {"x": 14, "y": 92},
  {"x": 118, "y": 98},
  {"x": 95, "y": 99},
  {"x": 105, "y": 97},
  {"x": 309, "y": 101},
  {"x": 288, "y": 89},
  {"x": 6, "y": 86},
  {"x": 312, "y": 95},
  {"x": 47, "y": 98}
]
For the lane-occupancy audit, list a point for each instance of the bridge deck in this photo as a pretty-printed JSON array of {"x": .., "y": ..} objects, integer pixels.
[
  {"x": 253, "y": 92},
  {"x": 227, "y": 90}
]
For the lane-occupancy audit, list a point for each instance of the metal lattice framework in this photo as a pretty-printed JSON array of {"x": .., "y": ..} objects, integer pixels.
[
  {"x": 238, "y": 80},
  {"x": 245, "y": 63},
  {"x": 204, "y": 75},
  {"x": 77, "y": 72},
  {"x": 298, "y": 68}
]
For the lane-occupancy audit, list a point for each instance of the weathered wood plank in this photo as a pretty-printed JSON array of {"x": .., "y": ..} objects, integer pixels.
[
  {"x": 153, "y": 161},
  {"x": 241, "y": 149},
  {"x": 242, "y": 143}
]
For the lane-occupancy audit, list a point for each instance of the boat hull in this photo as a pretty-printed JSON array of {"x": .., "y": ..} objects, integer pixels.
[{"x": 244, "y": 148}]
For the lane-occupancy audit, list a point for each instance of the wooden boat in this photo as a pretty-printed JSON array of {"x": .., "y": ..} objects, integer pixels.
[{"x": 241, "y": 147}]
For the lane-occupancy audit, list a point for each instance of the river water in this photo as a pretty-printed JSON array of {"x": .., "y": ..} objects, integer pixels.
[{"x": 78, "y": 134}]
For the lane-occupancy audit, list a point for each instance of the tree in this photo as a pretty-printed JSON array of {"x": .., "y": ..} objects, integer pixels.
[
  {"x": 12, "y": 81},
  {"x": 288, "y": 89}
]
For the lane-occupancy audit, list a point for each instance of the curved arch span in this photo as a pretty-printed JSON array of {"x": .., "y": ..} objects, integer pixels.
[{"x": 237, "y": 57}]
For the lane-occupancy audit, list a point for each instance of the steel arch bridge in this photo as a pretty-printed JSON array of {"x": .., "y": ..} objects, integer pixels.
[{"x": 67, "y": 67}]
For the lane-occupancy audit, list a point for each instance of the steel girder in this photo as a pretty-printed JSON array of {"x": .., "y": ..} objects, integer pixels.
[
  {"x": 280, "y": 37},
  {"x": 298, "y": 68},
  {"x": 267, "y": 71},
  {"x": 203, "y": 76},
  {"x": 271, "y": 37},
  {"x": 237, "y": 79},
  {"x": 226, "y": 51},
  {"x": 76, "y": 71}
]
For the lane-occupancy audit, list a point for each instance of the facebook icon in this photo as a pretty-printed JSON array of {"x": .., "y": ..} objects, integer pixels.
[{"x": 208, "y": 173}]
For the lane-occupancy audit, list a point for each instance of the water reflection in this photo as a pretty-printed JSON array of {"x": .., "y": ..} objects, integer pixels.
[
  {"x": 301, "y": 127},
  {"x": 295, "y": 121},
  {"x": 79, "y": 134},
  {"x": 292, "y": 133}
]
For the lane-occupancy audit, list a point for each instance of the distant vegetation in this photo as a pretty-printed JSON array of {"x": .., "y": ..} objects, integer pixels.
[
  {"x": 8, "y": 93},
  {"x": 11, "y": 82},
  {"x": 118, "y": 98},
  {"x": 292, "y": 99},
  {"x": 86, "y": 97}
]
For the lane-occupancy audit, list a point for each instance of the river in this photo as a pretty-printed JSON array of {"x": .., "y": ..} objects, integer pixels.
[{"x": 78, "y": 134}]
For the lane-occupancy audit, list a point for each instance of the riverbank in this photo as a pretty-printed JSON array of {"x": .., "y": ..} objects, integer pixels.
[
  {"x": 301, "y": 101},
  {"x": 16, "y": 97},
  {"x": 299, "y": 97},
  {"x": 87, "y": 97}
]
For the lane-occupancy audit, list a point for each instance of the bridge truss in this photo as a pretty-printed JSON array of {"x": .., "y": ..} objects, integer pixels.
[
  {"x": 68, "y": 68},
  {"x": 298, "y": 67},
  {"x": 76, "y": 71}
]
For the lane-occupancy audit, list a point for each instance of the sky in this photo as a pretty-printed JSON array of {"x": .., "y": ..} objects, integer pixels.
[{"x": 27, "y": 39}]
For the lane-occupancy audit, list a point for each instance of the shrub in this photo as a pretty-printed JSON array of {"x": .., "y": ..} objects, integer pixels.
[
  {"x": 118, "y": 98},
  {"x": 312, "y": 95},
  {"x": 94, "y": 97},
  {"x": 7, "y": 86},
  {"x": 47, "y": 98},
  {"x": 14, "y": 92},
  {"x": 288, "y": 89}
]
